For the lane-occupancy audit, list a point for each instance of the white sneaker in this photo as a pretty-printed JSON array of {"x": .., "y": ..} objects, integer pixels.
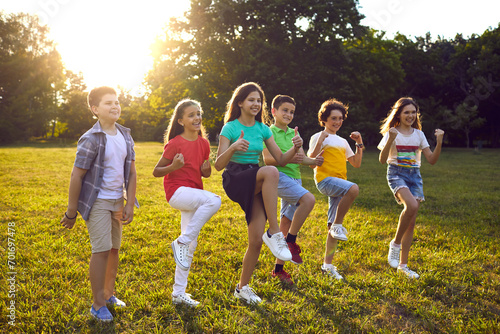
[
  {"x": 247, "y": 294},
  {"x": 185, "y": 299},
  {"x": 181, "y": 255},
  {"x": 393, "y": 256},
  {"x": 408, "y": 272},
  {"x": 278, "y": 246},
  {"x": 338, "y": 232},
  {"x": 331, "y": 271}
]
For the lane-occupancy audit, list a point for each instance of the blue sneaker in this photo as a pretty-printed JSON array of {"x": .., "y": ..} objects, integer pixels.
[
  {"x": 102, "y": 314},
  {"x": 115, "y": 302}
]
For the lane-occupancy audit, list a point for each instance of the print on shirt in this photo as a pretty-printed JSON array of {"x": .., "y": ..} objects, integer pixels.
[{"x": 407, "y": 156}]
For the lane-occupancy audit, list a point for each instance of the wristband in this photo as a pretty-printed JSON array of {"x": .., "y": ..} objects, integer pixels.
[
  {"x": 66, "y": 215},
  {"x": 360, "y": 145}
]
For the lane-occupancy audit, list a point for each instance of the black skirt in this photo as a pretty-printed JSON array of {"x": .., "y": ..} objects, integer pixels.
[{"x": 239, "y": 182}]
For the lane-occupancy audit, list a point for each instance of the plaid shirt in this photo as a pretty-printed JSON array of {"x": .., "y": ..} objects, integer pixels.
[{"x": 90, "y": 156}]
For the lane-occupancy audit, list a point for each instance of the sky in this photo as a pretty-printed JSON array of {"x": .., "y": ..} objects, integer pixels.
[{"x": 109, "y": 40}]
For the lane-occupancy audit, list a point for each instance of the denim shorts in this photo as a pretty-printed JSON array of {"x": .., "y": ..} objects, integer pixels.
[
  {"x": 404, "y": 177},
  {"x": 290, "y": 191},
  {"x": 335, "y": 189}
]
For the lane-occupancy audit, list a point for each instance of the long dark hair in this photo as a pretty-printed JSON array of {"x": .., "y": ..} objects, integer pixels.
[
  {"x": 393, "y": 120},
  {"x": 233, "y": 110},
  {"x": 174, "y": 128}
]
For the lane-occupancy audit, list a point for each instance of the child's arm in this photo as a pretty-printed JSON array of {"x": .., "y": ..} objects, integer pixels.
[
  {"x": 226, "y": 150},
  {"x": 206, "y": 169},
  {"x": 317, "y": 147},
  {"x": 318, "y": 161},
  {"x": 283, "y": 158},
  {"x": 298, "y": 158},
  {"x": 355, "y": 160},
  {"x": 128, "y": 210},
  {"x": 166, "y": 166},
  {"x": 75, "y": 186},
  {"x": 384, "y": 154},
  {"x": 432, "y": 157}
]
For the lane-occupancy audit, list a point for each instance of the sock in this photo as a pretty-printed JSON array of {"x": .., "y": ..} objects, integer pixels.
[
  {"x": 291, "y": 238},
  {"x": 402, "y": 266},
  {"x": 326, "y": 265},
  {"x": 395, "y": 244},
  {"x": 278, "y": 268},
  {"x": 268, "y": 234}
]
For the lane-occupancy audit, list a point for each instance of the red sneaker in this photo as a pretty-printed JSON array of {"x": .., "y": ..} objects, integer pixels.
[
  {"x": 295, "y": 250},
  {"x": 283, "y": 276}
]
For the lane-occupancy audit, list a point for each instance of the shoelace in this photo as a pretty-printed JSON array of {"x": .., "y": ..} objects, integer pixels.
[
  {"x": 251, "y": 293},
  {"x": 408, "y": 271},
  {"x": 340, "y": 229},
  {"x": 281, "y": 242},
  {"x": 184, "y": 249},
  {"x": 187, "y": 298},
  {"x": 394, "y": 253}
]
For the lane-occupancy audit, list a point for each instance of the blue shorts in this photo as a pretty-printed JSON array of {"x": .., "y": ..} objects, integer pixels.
[
  {"x": 335, "y": 189},
  {"x": 290, "y": 191},
  {"x": 404, "y": 177}
]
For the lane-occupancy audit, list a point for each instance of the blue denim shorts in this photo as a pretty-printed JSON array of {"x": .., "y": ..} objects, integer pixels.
[
  {"x": 335, "y": 189},
  {"x": 404, "y": 177},
  {"x": 290, "y": 191}
]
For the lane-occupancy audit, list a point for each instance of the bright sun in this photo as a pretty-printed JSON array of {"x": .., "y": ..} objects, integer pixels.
[{"x": 108, "y": 41}]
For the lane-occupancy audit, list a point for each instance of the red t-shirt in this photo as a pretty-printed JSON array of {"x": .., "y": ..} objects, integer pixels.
[{"x": 195, "y": 153}]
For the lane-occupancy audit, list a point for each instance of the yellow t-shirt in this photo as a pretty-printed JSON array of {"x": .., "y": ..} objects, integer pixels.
[{"x": 337, "y": 151}]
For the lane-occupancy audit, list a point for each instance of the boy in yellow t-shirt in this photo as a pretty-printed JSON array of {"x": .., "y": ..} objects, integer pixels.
[{"x": 331, "y": 176}]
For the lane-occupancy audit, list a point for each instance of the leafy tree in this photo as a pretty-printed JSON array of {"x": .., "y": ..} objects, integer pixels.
[
  {"x": 32, "y": 75},
  {"x": 289, "y": 47}
]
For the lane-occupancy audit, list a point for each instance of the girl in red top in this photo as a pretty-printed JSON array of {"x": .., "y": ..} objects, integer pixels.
[{"x": 183, "y": 163}]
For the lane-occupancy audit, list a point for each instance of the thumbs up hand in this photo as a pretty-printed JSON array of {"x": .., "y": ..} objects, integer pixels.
[
  {"x": 297, "y": 140},
  {"x": 241, "y": 144},
  {"x": 318, "y": 161}
]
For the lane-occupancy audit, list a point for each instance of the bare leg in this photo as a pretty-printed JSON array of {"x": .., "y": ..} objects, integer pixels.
[
  {"x": 331, "y": 247},
  {"x": 97, "y": 272},
  {"x": 306, "y": 204},
  {"x": 255, "y": 230},
  {"x": 345, "y": 203},
  {"x": 406, "y": 225},
  {"x": 111, "y": 270},
  {"x": 267, "y": 184}
]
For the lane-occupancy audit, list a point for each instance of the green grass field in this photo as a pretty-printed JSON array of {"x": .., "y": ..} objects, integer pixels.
[{"x": 456, "y": 251}]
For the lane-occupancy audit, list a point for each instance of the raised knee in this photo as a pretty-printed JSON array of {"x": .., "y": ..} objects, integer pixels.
[
  {"x": 308, "y": 200},
  {"x": 271, "y": 171},
  {"x": 354, "y": 190}
]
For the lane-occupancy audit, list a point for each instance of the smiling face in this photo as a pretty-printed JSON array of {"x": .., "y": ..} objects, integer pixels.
[
  {"x": 109, "y": 109},
  {"x": 251, "y": 105},
  {"x": 284, "y": 114},
  {"x": 334, "y": 121},
  {"x": 191, "y": 119},
  {"x": 408, "y": 116}
]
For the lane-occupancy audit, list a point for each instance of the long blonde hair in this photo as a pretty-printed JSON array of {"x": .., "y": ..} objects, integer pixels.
[
  {"x": 393, "y": 120},
  {"x": 174, "y": 128}
]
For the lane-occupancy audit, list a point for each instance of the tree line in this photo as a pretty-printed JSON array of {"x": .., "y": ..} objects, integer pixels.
[{"x": 311, "y": 50}]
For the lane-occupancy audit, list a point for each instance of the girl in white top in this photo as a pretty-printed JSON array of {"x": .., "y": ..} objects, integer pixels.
[{"x": 401, "y": 148}]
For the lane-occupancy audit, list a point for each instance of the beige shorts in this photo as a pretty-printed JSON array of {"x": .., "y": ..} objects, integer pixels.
[{"x": 104, "y": 224}]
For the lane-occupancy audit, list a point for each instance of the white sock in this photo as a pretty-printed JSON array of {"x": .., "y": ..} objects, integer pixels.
[{"x": 395, "y": 244}]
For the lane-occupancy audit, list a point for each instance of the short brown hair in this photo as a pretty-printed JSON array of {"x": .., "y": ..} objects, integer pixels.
[
  {"x": 96, "y": 94},
  {"x": 327, "y": 107}
]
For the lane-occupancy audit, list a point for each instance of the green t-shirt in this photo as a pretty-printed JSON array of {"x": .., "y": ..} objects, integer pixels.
[
  {"x": 255, "y": 135},
  {"x": 284, "y": 141}
]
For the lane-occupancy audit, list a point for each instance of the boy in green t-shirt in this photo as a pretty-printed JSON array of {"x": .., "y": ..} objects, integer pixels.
[{"x": 296, "y": 201}]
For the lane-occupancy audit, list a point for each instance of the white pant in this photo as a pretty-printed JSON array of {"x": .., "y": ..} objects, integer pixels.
[{"x": 197, "y": 207}]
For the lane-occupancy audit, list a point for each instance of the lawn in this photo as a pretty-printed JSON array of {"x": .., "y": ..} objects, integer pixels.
[{"x": 456, "y": 251}]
